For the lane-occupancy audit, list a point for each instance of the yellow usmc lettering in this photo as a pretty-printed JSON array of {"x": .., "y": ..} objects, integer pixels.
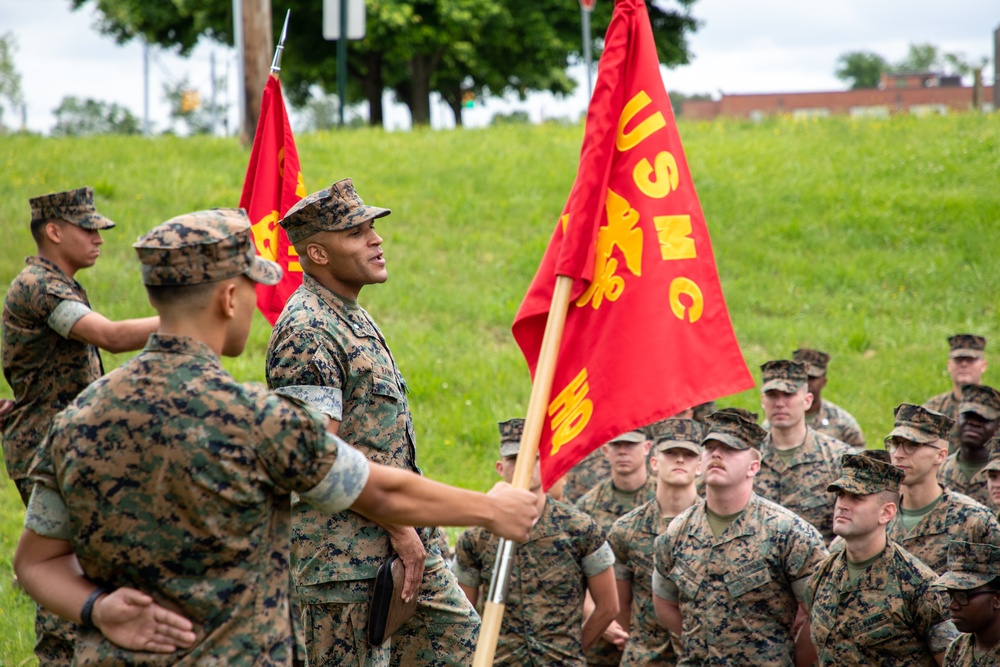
[{"x": 570, "y": 411}]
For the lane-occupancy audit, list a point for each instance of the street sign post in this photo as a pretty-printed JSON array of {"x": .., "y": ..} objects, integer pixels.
[{"x": 343, "y": 20}]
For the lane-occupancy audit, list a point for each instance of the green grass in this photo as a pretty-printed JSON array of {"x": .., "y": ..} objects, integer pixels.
[{"x": 870, "y": 239}]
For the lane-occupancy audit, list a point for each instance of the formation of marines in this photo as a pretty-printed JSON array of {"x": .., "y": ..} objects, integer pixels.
[{"x": 176, "y": 516}]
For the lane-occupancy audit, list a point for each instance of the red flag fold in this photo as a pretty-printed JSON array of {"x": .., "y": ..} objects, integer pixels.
[
  {"x": 273, "y": 185},
  {"x": 647, "y": 333}
]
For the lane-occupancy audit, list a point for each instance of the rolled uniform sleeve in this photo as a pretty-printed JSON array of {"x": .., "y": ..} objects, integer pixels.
[
  {"x": 47, "y": 514},
  {"x": 343, "y": 483},
  {"x": 327, "y": 400},
  {"x": 598, "y": 560},
  {"x": 65, "y": 315}
]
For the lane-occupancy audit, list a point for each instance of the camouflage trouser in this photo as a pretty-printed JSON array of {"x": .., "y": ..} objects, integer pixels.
[
  {"x": 442, "y": 632},
  {"x": 603, "y": 654},
  {"x": 54, "y": 639}
]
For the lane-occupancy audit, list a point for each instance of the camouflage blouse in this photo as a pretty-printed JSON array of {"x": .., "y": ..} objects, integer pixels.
[{"x": 170, "y": 477}]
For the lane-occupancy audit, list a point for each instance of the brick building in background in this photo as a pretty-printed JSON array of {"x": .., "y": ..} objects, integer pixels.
[
  {"x": 917, "y": 92},
  {"x": 906, "y": 93}
]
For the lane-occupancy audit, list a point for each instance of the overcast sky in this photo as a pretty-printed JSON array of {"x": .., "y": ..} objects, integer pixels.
[{"x": 742, "y": 46}]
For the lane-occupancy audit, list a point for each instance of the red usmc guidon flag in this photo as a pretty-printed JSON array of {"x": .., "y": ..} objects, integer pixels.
[
  {"x": 273, "y": 185},
  {"x": 647, "y": 333}
]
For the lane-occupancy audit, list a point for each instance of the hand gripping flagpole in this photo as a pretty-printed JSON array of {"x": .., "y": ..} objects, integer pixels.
[
  {"x": 541, "y": 389},
  {"x": 276, "y": 63}
]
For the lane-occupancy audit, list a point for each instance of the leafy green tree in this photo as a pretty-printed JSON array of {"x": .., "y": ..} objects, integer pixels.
[
  {"x": 919, "y": 58},
  {"x": 412, "y": 47},
  {"x": 862, "y": 69},
  {"x": 175, "y": 24},
  {"x": 10, "y": 79},
  {"x": 80, "y": 117}
]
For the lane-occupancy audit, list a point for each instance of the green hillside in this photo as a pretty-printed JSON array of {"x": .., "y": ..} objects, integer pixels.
[{"x": 870, "y": 239}]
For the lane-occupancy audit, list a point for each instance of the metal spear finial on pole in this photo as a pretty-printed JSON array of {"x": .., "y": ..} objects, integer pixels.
[{"x": 276, "y": 63}]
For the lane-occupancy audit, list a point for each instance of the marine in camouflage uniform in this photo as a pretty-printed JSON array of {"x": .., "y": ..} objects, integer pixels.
[
  {"x": 326, "y": 349},
  {"x": 874, "y": 606},
  {"x": 966, "y": 363},
  {"x": 824, "y": 415},
  {"x": 632, "y": 538},
  {"x": 737, "y": 591},
  {"x": 954, "y": 517},
  {"x": 798, "y": 480},
  {"x": 979, "y": 417},
  {"x": 43, "y": 365},
  {"x": 973, "y": 573},
  {"x": 946, "y": 514},
  {"x": 606, "y": 502},
  {"x": 170, "y": 477},
  {"x": 543, "y": 617}
]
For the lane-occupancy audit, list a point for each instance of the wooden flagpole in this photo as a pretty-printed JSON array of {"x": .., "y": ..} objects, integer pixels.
[{"x": 541, "y": 389}]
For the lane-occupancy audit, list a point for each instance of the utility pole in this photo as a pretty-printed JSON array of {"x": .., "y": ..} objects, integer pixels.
[
  {"x": 145, "y": 87},
  {"x": 256, "y": 61},
  {"x": 215, "y": 107}
]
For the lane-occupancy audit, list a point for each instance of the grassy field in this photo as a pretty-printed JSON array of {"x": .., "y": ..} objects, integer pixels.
[{"x": 870, "y": 239}]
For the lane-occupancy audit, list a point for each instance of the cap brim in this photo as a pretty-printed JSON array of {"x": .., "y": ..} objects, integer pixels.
[
  {"x": 992, "y": 465},
  {"x": 983, "y": 411},
  {"x": 911, "y": 434},
  {"x": 370, "y": 213},
  {"x": 509, "y": 449},
  {"x": 90, "y": 221},
  {"x": 664, "y": 445},
  {"x": 850, "y": 486},
  {"x": 786, "y": 386},
  {"x": 264, "y": 271},
  {"x": 963, "y": 581},
  {"x": 726, "y": 439},
  {"x": 966, "y": 352}
]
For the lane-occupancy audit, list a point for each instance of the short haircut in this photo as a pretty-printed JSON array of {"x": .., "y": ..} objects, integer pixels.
[
  {"x": 38, "y": 229},
  {"x": 171, "y": 296},
  {"x": 889, "y": 496}
]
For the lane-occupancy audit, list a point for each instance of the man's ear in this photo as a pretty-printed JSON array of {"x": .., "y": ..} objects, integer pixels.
[
  {"x": 226, "y": 298},
  {"x": 53, "y": 232},
  {"x": 317, "y": 254}
]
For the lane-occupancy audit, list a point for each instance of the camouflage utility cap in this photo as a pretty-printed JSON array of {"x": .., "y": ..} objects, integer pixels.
[
  {"x": 334, "y": 209},
  {"x": 629, "y": 436},
  {"x": 73, "y": 206},
  {"x": 510, "y": 436},
  {"x": 814, "y": 361},
  {"x": 980, "y": 399},
  {"x": 918, "y": 424},
  {"x": 863, "y": 475},
  {"x": 967, "y": 345},
  {"x": 994, "y": 462},
  {"x": 678, "y": 433},
  {"x": 203, "y": 247},
  {"x": 784, "y": 375},
  {"x": 878, "y": 455},
  {"x": 736, "y": 428},
  {"x": 970, "y": 565}
]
